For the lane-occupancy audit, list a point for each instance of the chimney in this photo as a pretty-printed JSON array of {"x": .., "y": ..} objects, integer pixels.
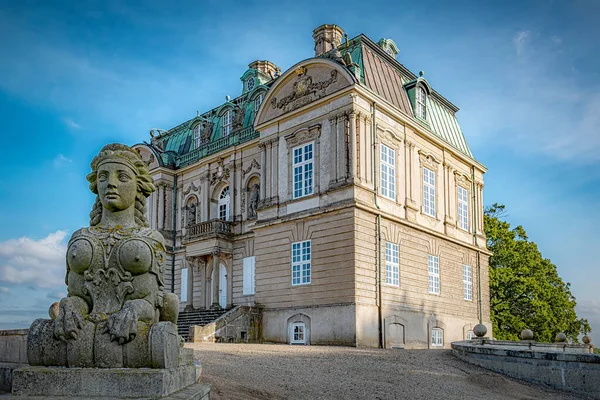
[
  {"x": 265, "y": 67},
  {"x": 327, "y": 37}
]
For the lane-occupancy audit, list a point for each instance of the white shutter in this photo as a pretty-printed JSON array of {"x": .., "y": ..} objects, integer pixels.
[
  {"x": 184, "y": 280},
  {"x": 248, "y": 275}
]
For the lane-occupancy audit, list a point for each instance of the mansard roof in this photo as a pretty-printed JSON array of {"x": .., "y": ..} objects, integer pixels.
[
  {"x": 385, "y": 76},
  {"x": 367, "y": 61}
]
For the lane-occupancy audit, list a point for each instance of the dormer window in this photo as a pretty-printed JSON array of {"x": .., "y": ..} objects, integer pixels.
[
  {"x": 197, "y": 136},
  {"x": 227, "y": 122},
  {"x": 258, "y": 101},
  {"x": 421, "y": 103}
]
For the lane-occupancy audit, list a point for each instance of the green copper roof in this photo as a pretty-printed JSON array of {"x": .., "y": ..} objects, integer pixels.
[
  {"x": 384, "y": 75},
  {"x": 179, "y": 145}
]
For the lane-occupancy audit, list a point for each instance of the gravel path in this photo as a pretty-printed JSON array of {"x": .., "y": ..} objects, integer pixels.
[{"x": 268, "y": 371}]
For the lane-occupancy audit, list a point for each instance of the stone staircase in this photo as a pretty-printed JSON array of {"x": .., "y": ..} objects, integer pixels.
[{"x": 196, "y": 317}]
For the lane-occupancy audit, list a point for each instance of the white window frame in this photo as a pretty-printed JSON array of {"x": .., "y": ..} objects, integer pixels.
[
  {"x": 303, "y": 171},
  {"x": 183, "y": 281},
  {"x": 392, "y": 264},
  {"x": 433, "y": 267},
  {"x": 227, "y": 123},
  {"x": 467, "y": 282},
  {"x": 437, "y": 337},
  {"x": 470, "y": 335},
  {"x": 388, "y": 171},
  {"x": 429, "y": 192},
  {"x": 301, "y": 263},
  {"x": 293, "y": 339},
  {"x": 463, "y": 208},
  {"x": 248, "y": 275},
  {"x": 258, "y": 101},
  {"x": 197, "y": 136},
  {"x": 421, "y": 98},
  {"x": 223, "y": 204}
]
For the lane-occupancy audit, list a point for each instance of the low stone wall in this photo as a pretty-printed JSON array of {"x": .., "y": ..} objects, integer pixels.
[
  {"x": 13, "y": 354},
  {"x": 562, "y": 366},
  {"x": 241, "y": 324}
]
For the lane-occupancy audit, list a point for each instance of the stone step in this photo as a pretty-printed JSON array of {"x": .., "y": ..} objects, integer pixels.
[{"x": 196, "y": 318}]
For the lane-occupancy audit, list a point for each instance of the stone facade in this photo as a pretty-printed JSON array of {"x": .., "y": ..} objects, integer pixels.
[{"x": 351, "y": 113}]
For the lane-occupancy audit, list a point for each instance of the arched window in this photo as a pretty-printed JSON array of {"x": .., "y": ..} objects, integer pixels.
[
  {"x": 227, "y": 122},
  {"x": 421, "y": 103},
  {"x": 224, "y": 204},
  {"x": 258, "y": 101},
  {"x": 197, "y": 136}
]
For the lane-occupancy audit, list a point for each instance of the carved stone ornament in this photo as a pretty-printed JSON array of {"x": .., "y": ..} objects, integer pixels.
[
  {"x": 390, "y": 137},
  {"x": 305, "y": 91},
  {"x": 220, "y": 174},
  {"x": 462, "y": 179},
  {"x": 191, "y": 188},
  {"x": 254, "y": 198},
  {"x": 206, "y": 132},
  {"x": 303, "y": 135},
  {"x": 238, "y": 118},
  {"x": 253, "y": 164},
  {"x": 150, "y": 159},
  {"x": 428, "y": 160},
  {"x": 114, "y": 274}
]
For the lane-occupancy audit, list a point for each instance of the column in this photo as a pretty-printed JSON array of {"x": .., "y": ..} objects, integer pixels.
[
  {"x": 333, "y": 142},
  {"x": 263, "y": 172},
  {"x": 341, "y": 147},
  {"x": 216, "y": 279},
  {"x": 203, "y": 283},
  {"x": 274, "y": 167},
  {"x": 161, "y": 206},
  {"x": 191, "y": 263},
  {"x": 352, "y": 147},
  {"x": 205, "y": 200}
]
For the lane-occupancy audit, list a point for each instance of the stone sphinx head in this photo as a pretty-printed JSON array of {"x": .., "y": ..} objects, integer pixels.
[{"x": 121, "y": 181}]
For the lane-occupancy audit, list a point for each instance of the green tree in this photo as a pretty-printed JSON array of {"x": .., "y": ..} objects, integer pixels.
[{"x": 526, "y": 291}]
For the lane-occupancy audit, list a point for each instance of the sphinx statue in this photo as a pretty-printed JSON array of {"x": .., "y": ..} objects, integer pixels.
[{"x": 116, "y": 313}]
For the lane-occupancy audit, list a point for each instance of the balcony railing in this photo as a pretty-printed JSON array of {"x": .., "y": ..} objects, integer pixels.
[
  {"x": 208, "y": 228},
  {"x": 206, "y": 149}
]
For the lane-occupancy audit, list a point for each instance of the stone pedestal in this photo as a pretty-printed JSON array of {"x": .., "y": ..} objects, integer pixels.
[{"x": 180, "y": 382}]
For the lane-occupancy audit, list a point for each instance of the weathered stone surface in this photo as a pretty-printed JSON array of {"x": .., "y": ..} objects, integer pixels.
[
  {"x": 165, "y": 343},
  {"x": 568, "y": 371},
  {"x": 80, "y": 352},
  {"x": 102, "y": 382},
  {"x": 115, "y": 277}
]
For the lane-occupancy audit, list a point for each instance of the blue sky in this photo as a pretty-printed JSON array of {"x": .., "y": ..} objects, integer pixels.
[{"x": 75, "y": 75}]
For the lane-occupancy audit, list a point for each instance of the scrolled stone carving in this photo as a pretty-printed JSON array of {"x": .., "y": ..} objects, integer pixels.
[{"x": 114, "y": 275}]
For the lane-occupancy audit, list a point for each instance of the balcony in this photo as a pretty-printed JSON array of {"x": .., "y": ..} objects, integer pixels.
[
  {"x": 206, "y": 149},
  {"x": 213, "y": 228}
]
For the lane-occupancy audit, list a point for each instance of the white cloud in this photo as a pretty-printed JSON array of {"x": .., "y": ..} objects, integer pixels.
[
  {"x": 520, "y": 40},
  {"x": 61, "y": 160},
  {"x": 4, "y": 289},
  {"x": 590, "y": 310},
  {"x": 39, "y": 263},
  {"x": 71, "y": 124}
]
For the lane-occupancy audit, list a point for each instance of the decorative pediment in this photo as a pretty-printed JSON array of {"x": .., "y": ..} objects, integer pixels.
[
  {"x": 191, "y": 188},
  {"x": 303, "y": 84},
  {"x": 303, "y": 135},
  {"x": 253, "y": 164},
  {"x": 462, "y": 179},
  {"x": 428, "y": 160},
  {"x": 390, "y": 137}
]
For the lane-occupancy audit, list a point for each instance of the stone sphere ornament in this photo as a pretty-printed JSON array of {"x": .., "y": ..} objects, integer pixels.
[
  {"x": 560, "y": 337},
  {"x": 587, "y": 339},
  {"x": 480, "y": 330},
  {"x": 527, "y": 334}
]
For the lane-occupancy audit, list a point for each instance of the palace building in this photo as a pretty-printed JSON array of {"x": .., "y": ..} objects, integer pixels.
[{"x": 337, "y": 203}]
